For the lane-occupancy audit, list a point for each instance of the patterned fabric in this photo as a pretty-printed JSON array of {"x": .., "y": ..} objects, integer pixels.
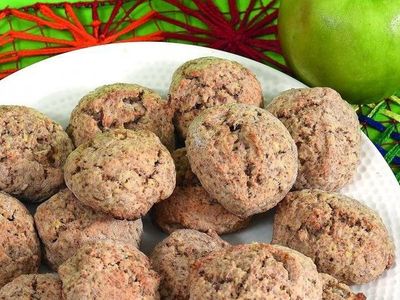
[{"x": 245, "y": 27}]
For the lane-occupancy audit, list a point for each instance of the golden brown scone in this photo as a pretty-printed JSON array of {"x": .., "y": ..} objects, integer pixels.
[
  {"x": 332, "y": 289},
  {"x": 205, "y": 82},
  {"x": 326, "y": 131},
  {"x": 122, "y": 105},
  {"x": 19, "y": 244},
  {"x": 344, "y": 238},
  {"x": 64, "y": 225},
  {"x": 173, "y": 257},
  {"x": 32, "y": 287},
  {"x": 243, "y": 156},
  {"x": 192, "y": 207},
  {"x": 255, "y": 271},
  {"x": 108, "y": 270},
  {"x": 121, "y": 172},
  {"x": 33, "y": 149}
]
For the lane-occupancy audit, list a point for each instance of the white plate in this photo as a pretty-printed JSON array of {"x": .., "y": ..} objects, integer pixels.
[{"x": 55, "y": 85}]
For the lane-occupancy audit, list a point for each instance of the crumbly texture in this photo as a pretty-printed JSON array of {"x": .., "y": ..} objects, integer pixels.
[
  {"x": 108, "y": 270},
  {"x": 210, "y": 81},
  {"x": 332, "y": 289},
  {"x": 344, "y": 238},
  {"x": 121, "y": 172},
  {"x": 33, "y": 149},
  {"x": 255, "y": 271},
  {"x": 64, "y": 225},
  {"x": 243, "y": 156},
  {"x": 326, "y": 131},
  {"x": 173, "y": 257},
  {"x": 184, "y": 174},
  {"x": 19, "y": 244},
  {"x": 122, "y": 105},
  {"x": 192, "y": 207},
  {"x": 33, "y": 286}
]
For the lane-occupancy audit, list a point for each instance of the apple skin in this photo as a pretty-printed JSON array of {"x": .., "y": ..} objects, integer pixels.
[{"x": 352, "y": 46}]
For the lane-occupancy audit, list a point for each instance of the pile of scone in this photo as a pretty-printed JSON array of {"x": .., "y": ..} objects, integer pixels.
[{"x": 201, "y": 163}]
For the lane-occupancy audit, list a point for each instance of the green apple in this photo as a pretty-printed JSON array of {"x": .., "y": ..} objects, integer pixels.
[{"x": 352, "y": 46}]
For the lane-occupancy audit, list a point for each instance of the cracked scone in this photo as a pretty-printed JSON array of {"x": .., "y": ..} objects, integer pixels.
[
  {"x": 210, "y": 81},
  {"x": 33, "y": 286},
  {"x": 19, "y": 244},
  {"x": 108, "y": 270},
  {"x": 121, "y": 172},
  {"x": 255, "y": 271},
  {"x": 243, "y": 156},
  {"x": 344, "y": 238},
  {"x": 33, "y": 150},
  {"x": 64, "y": 225},
  {"x": 332, "y": 289},
  {"x": 190, "y": 206},
  {"x": 173, "y": 257},
  {"x": 122, "y": 105},
  {"x": 326, "y": 131}
]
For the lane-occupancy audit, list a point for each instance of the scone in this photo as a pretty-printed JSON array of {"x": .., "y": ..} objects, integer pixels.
[
  {"x": 210, "y": 81},
  {"x": 64, "y": 225},
  {"x": 19, "y": 244},
  {"x": 121, "y": 172},
  {"x": 108, "y": 270},
  {"x": 243, "y": 156},
  {"x": 255, "y": 271},
  {"x": 326, "y": 131},
  {"x": 122, "y": 105},
  {"x": 190, "y": 206},
  {"x": 344, "y": 238},
  {"x": 332, "y": 289},
  {"x": 33, "y": 149},
  {"x": 33, "y": 286},
  {"x": 173, "y": 257}
]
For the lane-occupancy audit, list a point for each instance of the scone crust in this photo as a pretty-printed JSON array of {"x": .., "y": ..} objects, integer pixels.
[
  {"x": 122, "y": 105},
  {"x": 121, "y": 173},
  {"x": 108, "y": 270},
  {"x": 64, "y": 225},
  {"x": 344, "y": 238},
  {"x": 255, "y": 271},
  {"x": 326, "y": 131},
  {"x": 33, "y": 286},
  {"x": 19, "y": 244},
  {"x": 33, "y": 150},
  {"x": 173, "y": 257},
  {"x": 243, "y": 156},
  {"x": 210, "y": 81}
]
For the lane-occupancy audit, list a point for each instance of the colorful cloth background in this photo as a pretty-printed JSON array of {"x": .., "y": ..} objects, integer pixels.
[{"x": 31, "y": 31}]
